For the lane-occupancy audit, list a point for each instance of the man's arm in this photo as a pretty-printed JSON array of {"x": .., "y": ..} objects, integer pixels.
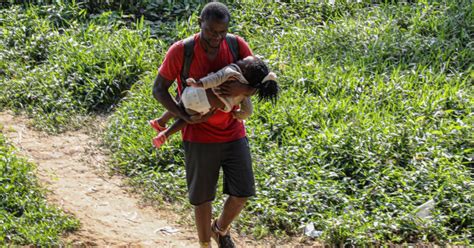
[
  {"x": 161, "y": 93},
  {"x": 234, "y": 88}
]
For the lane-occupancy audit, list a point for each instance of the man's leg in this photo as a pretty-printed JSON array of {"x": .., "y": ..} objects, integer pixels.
[
  {"x": 232, "y": 208},
  {"x": 203, "y": 215},
  {"x": 202, "y": 173},
  {"x": 239, "y": 184}
]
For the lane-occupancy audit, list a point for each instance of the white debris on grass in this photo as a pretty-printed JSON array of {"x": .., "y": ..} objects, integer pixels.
[
  {"x": 424, "y": 211},
  {"x": 310, "y": 231}
]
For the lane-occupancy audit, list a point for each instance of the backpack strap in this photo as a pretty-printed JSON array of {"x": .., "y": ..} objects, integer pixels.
[
  {"x": 187, "y": 59},
  {"x": 233, "y": 46}
]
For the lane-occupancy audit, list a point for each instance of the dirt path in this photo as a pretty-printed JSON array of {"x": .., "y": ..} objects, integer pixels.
[{"x": 71, "y": 167}]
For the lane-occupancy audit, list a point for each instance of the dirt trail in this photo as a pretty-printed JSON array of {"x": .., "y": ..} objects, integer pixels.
[{"x": 71, "y": 167}]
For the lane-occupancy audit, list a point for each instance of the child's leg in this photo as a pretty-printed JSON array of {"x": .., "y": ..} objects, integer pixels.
[
  {"x": 167, "y": 115},
  {"x": 159, "y": 124},
  {"x": 164, "y": 135},
  {"x": 164, "y": 118},
  {"x": 177, "y": 125}
]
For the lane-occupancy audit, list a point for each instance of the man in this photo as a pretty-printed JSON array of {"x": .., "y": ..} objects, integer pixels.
[{"x": 215, "y": 140}]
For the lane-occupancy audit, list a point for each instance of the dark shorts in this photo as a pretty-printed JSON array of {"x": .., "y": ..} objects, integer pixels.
[{"x": 203, "y": 162}]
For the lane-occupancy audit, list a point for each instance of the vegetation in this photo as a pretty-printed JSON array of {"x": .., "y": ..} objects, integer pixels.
[
  {"x": 25, "y": 217},
  {"x": 56, "y": 67},
  {"x": 374, "y": 120}
]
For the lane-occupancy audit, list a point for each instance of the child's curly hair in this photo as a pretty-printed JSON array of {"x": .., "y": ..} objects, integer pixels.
[{"x": 256, "y": 71}]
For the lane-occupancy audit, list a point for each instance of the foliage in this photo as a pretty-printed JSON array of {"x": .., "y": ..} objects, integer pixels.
[
  {"x": 25, "y": 217},
  {"x": 375, "y": 117},
  {"x": 60, "y": 73}
]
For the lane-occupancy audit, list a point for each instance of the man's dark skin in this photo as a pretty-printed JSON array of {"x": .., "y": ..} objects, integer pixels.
[{"x": 212, "y": 33}]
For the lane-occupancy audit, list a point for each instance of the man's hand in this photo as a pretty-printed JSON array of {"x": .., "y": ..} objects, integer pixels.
[
  {"x": 233, "y": 87},
  {"x": 237, "y": 115},
  {"x": 197, "y": 118}
]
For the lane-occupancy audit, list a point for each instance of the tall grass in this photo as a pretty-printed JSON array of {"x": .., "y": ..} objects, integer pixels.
[
  {"x": 378, "y": 106},
  {"x": 60, "y": 69},
  {"x": 25, "y": 217}
]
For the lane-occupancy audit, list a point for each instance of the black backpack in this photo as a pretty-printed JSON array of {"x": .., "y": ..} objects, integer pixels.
[{"x": 189, "y": 52}]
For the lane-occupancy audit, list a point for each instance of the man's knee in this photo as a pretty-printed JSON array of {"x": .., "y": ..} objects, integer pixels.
[
  {"x": 240, "y": 201},
  {"x": 206, "y": 204}
]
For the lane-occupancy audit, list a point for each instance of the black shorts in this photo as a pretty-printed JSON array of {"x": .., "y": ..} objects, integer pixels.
[{"x": 203, "y": 162}]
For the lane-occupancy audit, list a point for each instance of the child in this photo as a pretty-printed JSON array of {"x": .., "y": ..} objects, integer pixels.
[{"x": 199, "y": 97}]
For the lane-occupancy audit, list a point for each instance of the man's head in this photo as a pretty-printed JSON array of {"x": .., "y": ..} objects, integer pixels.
[{"x": 214, "y": 21}]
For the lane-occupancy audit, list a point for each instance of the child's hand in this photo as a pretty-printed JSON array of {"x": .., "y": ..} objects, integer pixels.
[
  {"x": 196, "y": 117},
  {"x": 191, "y": 82}
]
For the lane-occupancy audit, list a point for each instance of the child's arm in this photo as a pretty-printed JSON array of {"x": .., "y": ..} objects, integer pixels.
[
  {"x": 216, "y": 79},
  {"x": 245, "y": 111}
]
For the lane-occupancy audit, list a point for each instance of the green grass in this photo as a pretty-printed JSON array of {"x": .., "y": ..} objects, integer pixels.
[
  {"x": 58, "y": 74},
  {"x": 25, "y": 217},
  {"x": 375, "y": 116}
]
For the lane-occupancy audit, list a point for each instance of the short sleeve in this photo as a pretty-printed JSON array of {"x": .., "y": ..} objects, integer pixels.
[
  {"x": 173, "y": 62},
  {"x": 244, "y": 49}
]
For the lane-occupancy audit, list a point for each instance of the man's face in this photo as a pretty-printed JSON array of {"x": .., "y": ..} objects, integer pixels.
[{"x": 213, "y": 31}]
